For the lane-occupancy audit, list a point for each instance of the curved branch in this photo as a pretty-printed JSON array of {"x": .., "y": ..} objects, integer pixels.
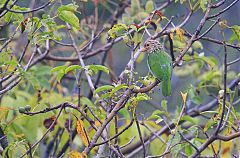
[
  {"x": 222, "y": 11},
  {"x": 29, "y": 11}
]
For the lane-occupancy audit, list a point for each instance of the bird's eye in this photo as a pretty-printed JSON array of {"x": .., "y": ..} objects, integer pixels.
[{"x": 147, "y": 45}]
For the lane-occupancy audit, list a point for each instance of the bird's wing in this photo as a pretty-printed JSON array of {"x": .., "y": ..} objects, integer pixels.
[{"x": 160, "y": 65}]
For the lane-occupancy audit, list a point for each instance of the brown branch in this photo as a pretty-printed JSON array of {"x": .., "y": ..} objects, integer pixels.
[
  {"x": 233, "y": 62},
  {"x": 116, "y": 135},
  {"x": 16, "y": 79},
  {"x": 29, "y": 11},
  {"x": 140, "y": 135},
  {"x": 193, "y": 112},
  {"x": 229, "y": 137},
  {"x": 209, "y": 29},
  {"x": 185, "y": 139},
  {"x": 120, "y": 104},
  {"x": 224, "y": 10},
  {"x": 90, "y": 83},
  {"x": 216, "y": 132},
  {"x": 43, "y": 136},
  {"x": 225, "y": 92},
  {"x": 191, "y": 40},
  {"x": 218, "y": 4}
]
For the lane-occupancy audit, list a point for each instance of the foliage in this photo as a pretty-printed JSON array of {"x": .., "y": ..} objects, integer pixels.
[{"x": 74, "y": 80}]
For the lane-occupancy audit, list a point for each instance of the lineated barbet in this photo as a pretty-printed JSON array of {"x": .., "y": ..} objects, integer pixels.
[{"x": 159, "y": 64}]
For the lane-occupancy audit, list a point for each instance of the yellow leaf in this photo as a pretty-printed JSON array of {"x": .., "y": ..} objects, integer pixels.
[
  {"x": 4, "y": 112},
  {"x": 75, "y": 154},
  {"x": 82, "y": 133},
  {"x": 171, "y": 35},
  {"x": 184, "y": 97},
  {"x": 227, "y": 148},
  {"x": 180, "y": 33},
  {"x": 97, "y": 124}
]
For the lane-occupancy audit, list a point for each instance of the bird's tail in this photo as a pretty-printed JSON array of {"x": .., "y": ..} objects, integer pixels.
[{"x": 166, "y": 87}]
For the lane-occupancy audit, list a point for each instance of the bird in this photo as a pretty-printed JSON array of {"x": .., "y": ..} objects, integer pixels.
[{"x": 159, "y": 64}]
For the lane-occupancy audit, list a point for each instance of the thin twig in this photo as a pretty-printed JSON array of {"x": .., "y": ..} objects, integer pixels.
[
  {"x": 90, "y": 83},
  {"x": 116, "y": 135},
  {"x": 224, "y": 10},
  {"x": 225, "y": 92},
  {"x": 184, "y": 138},
  {"x": 29, "y": 11},
  {"x": 48, "y": 130},
  {"x": 233, "y": 62},
  {"x": 140, "y": 136}
]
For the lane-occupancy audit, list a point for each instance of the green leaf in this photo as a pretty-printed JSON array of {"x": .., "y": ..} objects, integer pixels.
[
  {"x": 134, "y": 27},
  {"x": 141, "y": 28},
  {"x": 86, "y": 101},
  {"x": 96, "y": 68},
  {"x": 41, "y": 70},
  {"x": 125, "y": 38},
  {"x": 209, "y": 124},
  {"x": 44, "y": 82},
  {"x": 236, "y": 33},
  {"x": 59, "y": 68},
  {"x": 157, "y": 113},
  {"x": 31, "y": 78},
  {"x": 103, "y": 88},
  {"x": 203, "y": 4},
  {"x": 125, "y": 113},
  {"x": 60, "y": 72},
  {"x": 8, "y": 17},
  {"x": 103, "y": 96},
  {"x": 70, "y": 7},
  {"x": 60, "y": 75},
  {"x": 72, "y": 68},
  {"x": 149, "y": 6},
  {"x": 197, "y": 45},
  {"x": 16, "y": 17},
  {"x": 4, "y": 57},
  {"x": 181, "y": 1},
  {"x": 176, "y": 139},
  {"x": 194, "y": 97},
  {"x": 117, "y": 30},
  {"x": 117, "y": 88},
  {"x": 164, "y": 104},
  {"x": 188, "y": 150},
  {"x": 189, "y": 119},
  {"x": 69, "y": 17},
  {"x": 176, "y": 149},
  {"x": 211, "y": 61},
  {"x": 142, "y": 97}
]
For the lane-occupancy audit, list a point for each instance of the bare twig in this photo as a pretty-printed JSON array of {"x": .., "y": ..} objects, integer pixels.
[
  {"x": 48, "y": 130},
  {"x": 29, "y": 11},
  {"x": 224, "y": 10},
  {"x": 90, "y": 83},
  {"x": 225, "y": 91},
  {"x": 141, "y": 137},
  {"x": 216, "y": 132}
]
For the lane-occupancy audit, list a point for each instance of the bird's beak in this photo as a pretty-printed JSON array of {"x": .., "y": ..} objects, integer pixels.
[{"x": 143, "y": 49}]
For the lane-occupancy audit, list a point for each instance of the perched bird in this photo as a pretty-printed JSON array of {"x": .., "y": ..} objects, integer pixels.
[{"x": 159, "y": 64}]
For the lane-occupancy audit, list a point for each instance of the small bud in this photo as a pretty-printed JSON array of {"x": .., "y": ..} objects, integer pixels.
[
  {"x": 197, "y": 45},
  {"x": 221, "y": 94},
  {"x": 21, "y": 109},
  {"x": 27, "y": 108}
]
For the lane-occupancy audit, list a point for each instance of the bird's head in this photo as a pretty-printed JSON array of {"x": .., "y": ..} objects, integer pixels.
[{"x": 151, "y": 45}]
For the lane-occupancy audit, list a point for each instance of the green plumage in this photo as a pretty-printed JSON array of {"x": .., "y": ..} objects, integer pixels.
[{"x": 160, "y": 65}]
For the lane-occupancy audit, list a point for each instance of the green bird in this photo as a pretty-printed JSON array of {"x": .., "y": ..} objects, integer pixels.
[{"x": 159, "y": 64}]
